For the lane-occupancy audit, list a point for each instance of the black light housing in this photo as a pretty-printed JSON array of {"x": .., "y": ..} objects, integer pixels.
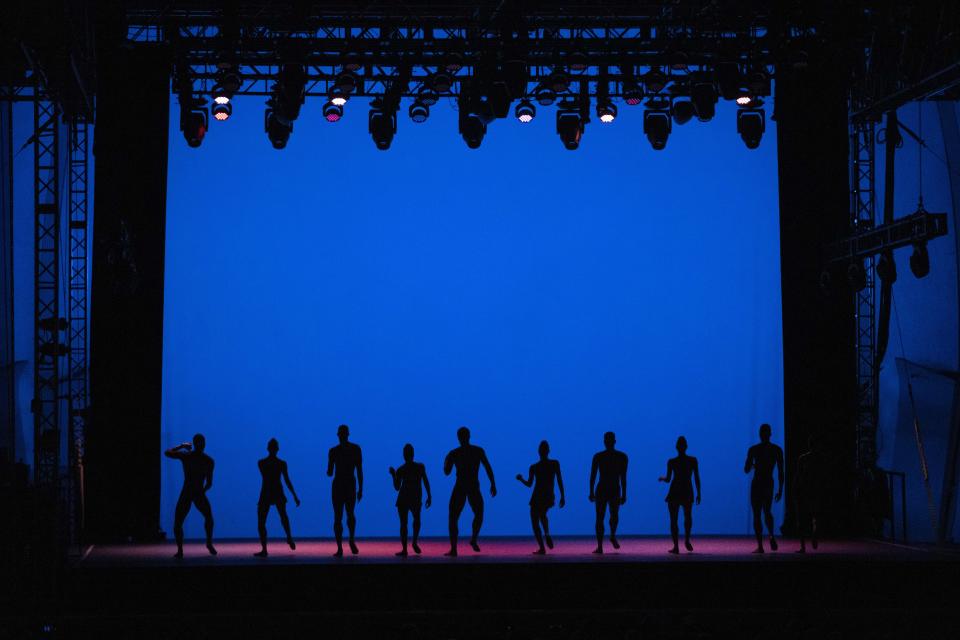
[
  {"x": 382, "y": 126},
  {"x": 472, "y": 129},
  {"x": 419, "y": 112},
  {"x": 856, "y": 275},
  {"x": 428, "y": 95},
  {"x": 570, "y": 128},
  {"x": 920, "y": 260},
  {"x": 545, "y": 96},
  {"x": 655, "y": 80},
  {"x": 887, "y": 267},
  {"x": 277, "y": 131},
  {"x": 751, "y": 123},
  {"x": 193, "y": 123},
  {"x": 558, "y": 80},
  {"x": 683, "y": 111},
  {"x": 632, "y": 93},
  {"x": 441, "y": 81},
  {"x": 703, "y": 95},
  {"x": 657, "y": 127}
]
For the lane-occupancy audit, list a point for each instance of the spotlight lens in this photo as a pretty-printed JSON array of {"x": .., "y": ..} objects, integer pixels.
[
  {"x": 221, "y": 99},
  {"x": 607, "y": 117},
  {"x": 339, "y": 100},
  {"x": 222, "y": 111},
  {"x": 419, "y": 112},
  {"x": 633, "y": 99},
  {"x": 525, "y": 111},
  {"x": 744, "y": 100},
  {"x": 332, "y": 112}
]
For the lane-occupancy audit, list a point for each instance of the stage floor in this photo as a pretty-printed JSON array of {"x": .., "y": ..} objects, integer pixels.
[
  {"x": 141, "y": 591},
  {"x": 500, "y": 550}
]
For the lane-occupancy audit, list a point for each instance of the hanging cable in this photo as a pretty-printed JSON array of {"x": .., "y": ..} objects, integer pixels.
[
  {"x": 924, "y": 468},
  {"x": 921, "y": 144}
]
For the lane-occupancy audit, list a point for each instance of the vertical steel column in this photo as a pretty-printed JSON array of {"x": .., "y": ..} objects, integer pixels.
[
  {"x": 47, "y": 321},
  {"x": 77, "y": 397},
  {"x": 863, "y": 216}
]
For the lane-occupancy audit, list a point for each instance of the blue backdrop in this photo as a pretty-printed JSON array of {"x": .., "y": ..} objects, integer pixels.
[{"x": 521, "y": 289}]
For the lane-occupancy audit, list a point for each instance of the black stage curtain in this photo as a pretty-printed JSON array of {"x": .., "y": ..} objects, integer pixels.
[
  {"x": 818, "y": 329},
  {"x": 126, "y": 340}
]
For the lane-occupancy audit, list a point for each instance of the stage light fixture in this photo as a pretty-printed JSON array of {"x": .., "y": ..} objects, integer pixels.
[
  {"x": 758, "y": 82},
  {"x": 428, "y": 96},
  {"x": 545, "y": 96},
  {"x": 441, "y": 81},
  {"x": 703, "y": 94},
  {"x": 683, "y": 111},
  {"x": 606, "y": 111},
  {"x": 856, "y": 276},
  {"x": 657, "y": 127},
  {"x": 277, "y": 131},
  {"x": 558, "y": 80},
  {"x": 744, "y": 99},
  {"x": 382, "y": 126},
  {"x": 454, "y": 63},
  {"x": 887, "y": 267},
  {"x": 352, "y": 62},
  {"x": 345, "y": 83},
  {"x": 227, "y": 84},
  {"x": 419, "y": 112},
  {"x": 525, "y": 111},
  {"x": 920, "y": 260},
  {"x": 332, "y": 111},
  {"x": 570, "y": 128},
  {"x": 222, "y": 111},
  {"x": 678, "y": 61},
  {"x": 655, "y": 80},
  {"x": 193, "y": 123},
  {"x": 632, "y": 93},
  {"x": 577, "y": 61},
  {"x": 472, "y": 129},
  {"x": 751, "y": 123}
]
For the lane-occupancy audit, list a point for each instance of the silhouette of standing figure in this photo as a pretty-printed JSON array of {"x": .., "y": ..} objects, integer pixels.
[
  {"x": 809, "y": 489},
  {"x": 346, "y": 461},
  {"x": 467, "y": 459},
  {"x": 272, "y": 469},
  {"x": 611, "y": 490},
  {"x": 197, "y": 480},
  {"x": 543, "y": 473},
  {"x": 679, "y": 470},
  {"x": 761, "y": 459},
  {"x": 409, "y": 481}
]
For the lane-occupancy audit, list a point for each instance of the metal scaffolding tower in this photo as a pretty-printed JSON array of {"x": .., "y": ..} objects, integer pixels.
[
  {"x": 77, "y": 398},
  {"x": 862, "y": 218},
  {"x": 47, "y": 322}
]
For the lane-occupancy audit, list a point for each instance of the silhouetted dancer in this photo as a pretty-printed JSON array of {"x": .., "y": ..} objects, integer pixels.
[
  {"x": 611, "y": 490},
  {"x": 809, "y": 490},
  {"x": 467, "y": 459},
  {"x": 541, "y": 476},
  {"x": 346, "y": 462},
  {"x": 761, "y": 459},
  {"x": 409, "y": 481},
  {"x": 680, "y": 494},
  {"x": 197, "y": 480},
  {"x": 272, "y": 469}
]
